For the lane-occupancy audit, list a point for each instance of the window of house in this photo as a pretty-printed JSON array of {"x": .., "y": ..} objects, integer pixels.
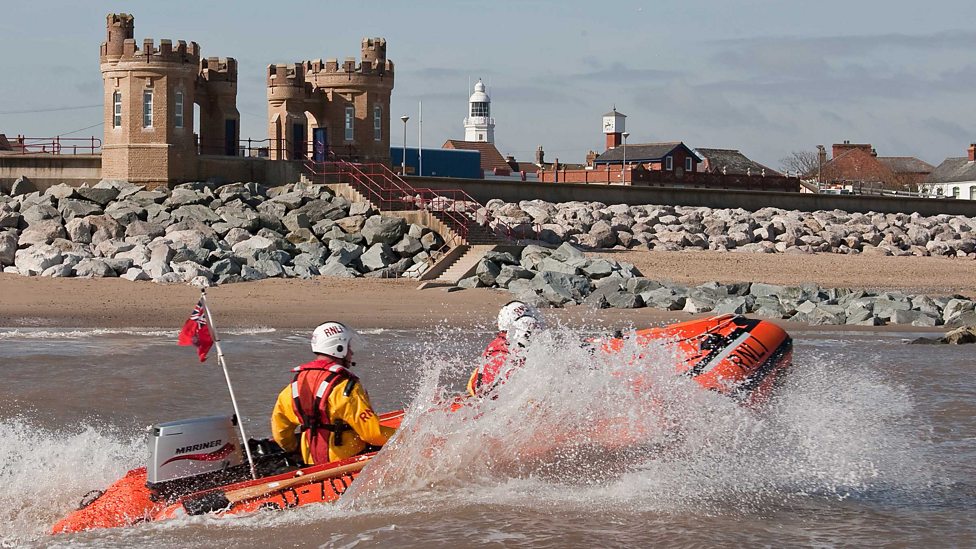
[
  {"x": 479, "y": 109},
  {"x": 669, "y": 163},
  {"x": 178, "y": 108},
  {"x": 117, "y": 109},
  {"x": 147, "y": 104},
  {"x": 377, "y": 123},
  {"x": 350, "y": 117},
  {"x": 481, "y": 137},
  {"x": 972, "y": 192},
  {"x": 955, "y": 192},
  {"x": 688, "y": 164}
]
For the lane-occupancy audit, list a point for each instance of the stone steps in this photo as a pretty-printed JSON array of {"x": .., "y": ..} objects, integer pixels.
[{"x": 465, "y": 264}]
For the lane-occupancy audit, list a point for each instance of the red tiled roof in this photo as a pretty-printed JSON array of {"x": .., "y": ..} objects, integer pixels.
[{"x": 490, "y": 157}]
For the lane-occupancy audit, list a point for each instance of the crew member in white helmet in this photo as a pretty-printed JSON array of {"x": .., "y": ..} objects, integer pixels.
[
  {"x": 498, "y": 351},
  {"x": 327, "y": 403}
]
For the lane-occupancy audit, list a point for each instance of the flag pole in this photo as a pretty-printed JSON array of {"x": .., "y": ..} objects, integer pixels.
[{"x": 223, "y": 364}]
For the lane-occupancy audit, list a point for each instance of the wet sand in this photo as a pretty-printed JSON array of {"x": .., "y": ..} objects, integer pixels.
[{"x": 291, "y": 303}]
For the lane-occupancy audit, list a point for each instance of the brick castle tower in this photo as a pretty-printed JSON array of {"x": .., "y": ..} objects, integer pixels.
[
  {"x": 149, "y": 97},
  {"x": 315, "y": 107}
]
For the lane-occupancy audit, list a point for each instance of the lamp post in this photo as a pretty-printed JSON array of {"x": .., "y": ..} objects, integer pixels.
[
  {"x": 623, "y": 171},
  {"x": 403, "y": 163}
]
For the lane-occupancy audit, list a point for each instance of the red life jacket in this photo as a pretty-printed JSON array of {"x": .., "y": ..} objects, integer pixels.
[
  {"x": 310, "y": 392},
  {"x": 493, "y": 359}
]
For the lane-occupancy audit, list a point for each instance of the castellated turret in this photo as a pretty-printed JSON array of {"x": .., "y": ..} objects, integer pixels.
[
  {"x": 317, "y": 107},
  {"x": 149, "y": 93},
  {"x": 374, "y": 52}
]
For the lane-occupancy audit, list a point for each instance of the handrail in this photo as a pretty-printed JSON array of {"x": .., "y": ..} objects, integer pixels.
[
  {"x": 55, "y": 145},
  {"x": 389, "y": 191}
]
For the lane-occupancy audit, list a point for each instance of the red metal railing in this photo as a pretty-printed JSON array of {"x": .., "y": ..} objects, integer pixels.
[
  {"x": 56, "y": 145},
  {"x": 388, "y": 191}
]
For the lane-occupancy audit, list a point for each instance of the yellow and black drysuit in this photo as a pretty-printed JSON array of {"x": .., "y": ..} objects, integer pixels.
[{"x": 331, "y": 409}]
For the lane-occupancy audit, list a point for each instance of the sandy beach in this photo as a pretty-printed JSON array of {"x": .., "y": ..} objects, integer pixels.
[{"x": 290, "y": 303}]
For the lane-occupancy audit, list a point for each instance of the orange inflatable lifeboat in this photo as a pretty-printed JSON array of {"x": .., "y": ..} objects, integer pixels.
[
  {"x": 196, "y": 466},
  {"x": 206, "y": 482},
  {"x": 739, "y": 357}
]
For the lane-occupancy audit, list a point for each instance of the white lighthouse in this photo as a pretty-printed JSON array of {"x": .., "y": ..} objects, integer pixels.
[{"x": 479, "y": 126}]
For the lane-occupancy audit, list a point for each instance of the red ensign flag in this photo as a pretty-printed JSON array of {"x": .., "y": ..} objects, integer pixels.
[{"x": 196, "y": 332}]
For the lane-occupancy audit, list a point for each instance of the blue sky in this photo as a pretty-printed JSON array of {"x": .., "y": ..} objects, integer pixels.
[{"x": 764, "y": 76}]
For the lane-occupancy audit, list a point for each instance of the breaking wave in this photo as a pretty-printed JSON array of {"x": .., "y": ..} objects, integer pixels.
[
  {"x": 577, "y": 429},
  {"x": 44, "y": 474}
]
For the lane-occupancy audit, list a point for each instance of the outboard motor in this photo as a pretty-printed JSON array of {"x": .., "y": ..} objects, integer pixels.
[{"x": 193, "y": 447}]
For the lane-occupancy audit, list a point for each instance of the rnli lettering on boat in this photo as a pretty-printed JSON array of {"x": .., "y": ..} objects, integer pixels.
[{"x": 198, "y": 447}]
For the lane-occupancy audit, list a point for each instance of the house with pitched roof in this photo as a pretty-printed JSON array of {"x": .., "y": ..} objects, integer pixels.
[
  {"x": 731, "y": 162},
  {"x": 954, "y": 178},
  {"x": 859, "y": 164},
  {"x": 671, "y": 156}
]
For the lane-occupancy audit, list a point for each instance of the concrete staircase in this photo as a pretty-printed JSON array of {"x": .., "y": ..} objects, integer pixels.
[{"x": 463, "y": 264}]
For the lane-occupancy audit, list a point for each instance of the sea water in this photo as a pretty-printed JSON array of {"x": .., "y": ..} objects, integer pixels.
[{"x": 869, "y": 442}]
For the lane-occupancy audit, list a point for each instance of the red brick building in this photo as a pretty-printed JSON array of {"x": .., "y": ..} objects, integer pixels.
[{"x": 859, "y": 164}]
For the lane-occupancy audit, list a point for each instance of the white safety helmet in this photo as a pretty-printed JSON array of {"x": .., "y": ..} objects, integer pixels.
[
  {"x": 332, "y": 339},
  {"x": 522, "y": 330},
  {"x": 512, "y": 311}
]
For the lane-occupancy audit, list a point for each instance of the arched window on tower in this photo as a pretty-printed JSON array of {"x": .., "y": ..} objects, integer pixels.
[
  {"x": 350, "y": 117},
  {"x": 377, "y": 123},
  {"x": 117, "y": 109},
  {"x": 480, "y": 108},
  {"x": 178, "y": 109}
]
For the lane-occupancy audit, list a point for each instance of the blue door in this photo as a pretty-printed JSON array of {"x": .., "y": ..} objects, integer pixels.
[{"x": 320, "y": 144}]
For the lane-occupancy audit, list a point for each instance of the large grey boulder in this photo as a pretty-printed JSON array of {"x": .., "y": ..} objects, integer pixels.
[
  {"x": 317, "y": 210},
  {"x": 254, "y": 244},
  {"x": 135, "y": 274},
  {"x": 104, "y": 228},
  {"x": 43, "y": 231},
  {"x": 337, "y": 269},
  {"x": 295, "y": 221},
  {"x": 345, "y": 253},
  {"x": 431, "y": 241},
  {"x": 565, "y": 253},
  {"x": 144, "y": 228},
  {"x": 270, "y": 268},
  {"x": 99, "y": 195},
  {"x": 195, "y": 212},
  {"x": 94, "y": 268},
  {"x": 409, "y": 246},
  {"x": 8, "y": 247},
  {"x": 9, "y": 219},
  {"x": 38, "y": 212},
  {"x": 487, "y": 272},
  {"x": 377, "y": 257},
  {"x": 554, "y": 265},
  {"x": 185, "y": 197},
  {"x": 385, "y": 229},
  {"x": 509, "y": 273},
  {"x": 21, "y": 186},
  {"x": 561, "y": 288},
  {"x": 351, "y": 224},
  {"x": 71, "y": 208}
]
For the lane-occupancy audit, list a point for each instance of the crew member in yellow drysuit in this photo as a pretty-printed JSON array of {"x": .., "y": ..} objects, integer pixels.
[{"x": 327, "y": 403}]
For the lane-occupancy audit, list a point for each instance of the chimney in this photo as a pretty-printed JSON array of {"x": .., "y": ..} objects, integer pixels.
[
  {"x": 540, "y": 156},
  {"x": 972, "y": 152}
]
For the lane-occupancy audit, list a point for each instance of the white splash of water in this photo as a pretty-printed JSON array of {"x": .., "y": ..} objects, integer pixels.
[
  {"x": 44, "y": 474},
  {"x": 578, "y": 429}
]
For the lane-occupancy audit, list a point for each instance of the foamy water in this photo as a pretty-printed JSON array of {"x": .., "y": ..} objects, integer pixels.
[{"x": 869, "y": 440}]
